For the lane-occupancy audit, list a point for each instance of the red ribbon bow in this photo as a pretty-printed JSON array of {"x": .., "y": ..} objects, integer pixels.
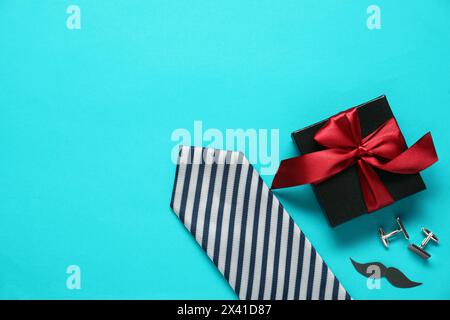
[{"x": 385, "y": 149}]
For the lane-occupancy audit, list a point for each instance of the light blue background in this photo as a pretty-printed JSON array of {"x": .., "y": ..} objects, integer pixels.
[{"x": 86, "y": 118}]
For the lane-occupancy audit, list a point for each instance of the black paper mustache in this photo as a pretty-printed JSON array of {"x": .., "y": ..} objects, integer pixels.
[{"x": 393, "y": 275}]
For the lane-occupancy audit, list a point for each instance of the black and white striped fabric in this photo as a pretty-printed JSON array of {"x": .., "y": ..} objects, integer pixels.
[{"x": 233, "y": 215}]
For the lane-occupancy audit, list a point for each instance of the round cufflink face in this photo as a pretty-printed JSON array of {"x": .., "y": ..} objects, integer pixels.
[{"x": 419, "y": 251}]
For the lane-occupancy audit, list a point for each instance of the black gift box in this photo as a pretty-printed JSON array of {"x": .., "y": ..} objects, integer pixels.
[{"x": 340, "y": 196}]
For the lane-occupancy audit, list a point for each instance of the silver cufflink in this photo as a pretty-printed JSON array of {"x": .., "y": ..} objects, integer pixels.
[
  {"x": 385, "y": 236},
  {"x": 420, "y": 250}
]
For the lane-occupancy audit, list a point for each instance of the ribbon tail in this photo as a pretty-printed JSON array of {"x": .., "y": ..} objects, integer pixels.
[
  {"x": 312, "y": 167},
  {"x": 418, "y": 157},
  {"x": 374, "y": 192}
]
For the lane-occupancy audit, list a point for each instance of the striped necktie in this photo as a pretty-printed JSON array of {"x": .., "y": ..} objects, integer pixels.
[{"x": 246, "y": 232}]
